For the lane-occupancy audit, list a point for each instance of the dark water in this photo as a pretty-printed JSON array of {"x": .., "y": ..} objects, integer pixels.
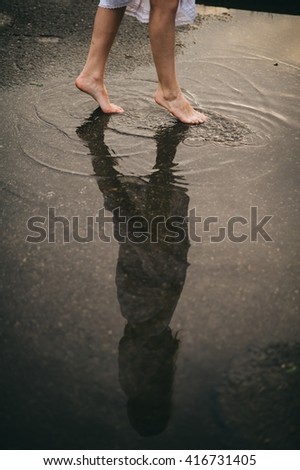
[{"x": 158, "y": 341}]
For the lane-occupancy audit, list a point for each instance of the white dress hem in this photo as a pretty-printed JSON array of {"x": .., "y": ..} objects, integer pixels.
[{"x": 140, "y": 9}]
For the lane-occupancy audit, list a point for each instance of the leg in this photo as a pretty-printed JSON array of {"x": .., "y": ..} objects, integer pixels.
[
  {"x": 162, "y": 37},
  {"x": 91, "y": 79}
]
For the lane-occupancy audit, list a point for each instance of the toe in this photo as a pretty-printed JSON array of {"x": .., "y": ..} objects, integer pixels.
[
  {"x": 117, "y": 109},
  {"x": 112, "y": 108},
  {"x": 202, "y": 118}
]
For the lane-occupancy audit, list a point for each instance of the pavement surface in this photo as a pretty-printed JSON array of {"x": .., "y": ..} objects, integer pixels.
[{"x": 124, "y": 336}]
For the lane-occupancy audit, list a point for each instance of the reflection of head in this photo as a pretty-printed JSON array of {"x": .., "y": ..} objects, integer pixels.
[{"x": 146, "y": 371}]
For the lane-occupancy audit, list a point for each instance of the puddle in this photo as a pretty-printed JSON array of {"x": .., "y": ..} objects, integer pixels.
[
  {"x": 188, "y": 308},
  {"x": 238, "y": 90}
]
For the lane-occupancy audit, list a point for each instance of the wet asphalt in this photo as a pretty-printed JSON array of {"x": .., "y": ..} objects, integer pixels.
[{"x": 80, "y": 369}]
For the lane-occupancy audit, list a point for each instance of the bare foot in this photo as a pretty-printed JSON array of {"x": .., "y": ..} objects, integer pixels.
[
  {"x": 97, "y": 91},
  {"x": 179, "y": 106}
]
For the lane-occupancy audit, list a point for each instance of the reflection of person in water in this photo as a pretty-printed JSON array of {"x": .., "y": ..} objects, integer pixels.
[{"x": 150, "y": 272}]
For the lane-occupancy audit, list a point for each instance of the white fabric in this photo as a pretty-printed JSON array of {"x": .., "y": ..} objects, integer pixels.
[{"x": 141, "y": 8}]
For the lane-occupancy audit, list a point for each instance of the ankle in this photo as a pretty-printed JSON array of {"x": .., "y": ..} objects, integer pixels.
[
  {"x": 169, "y": 94},
  {"x": 91, "y": 78}
]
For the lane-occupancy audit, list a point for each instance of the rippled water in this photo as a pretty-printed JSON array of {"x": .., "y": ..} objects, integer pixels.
[{"x": 238, "y": 91}]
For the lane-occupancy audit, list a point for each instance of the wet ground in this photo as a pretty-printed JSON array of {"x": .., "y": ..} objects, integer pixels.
[{"x": 148, "y": 336}]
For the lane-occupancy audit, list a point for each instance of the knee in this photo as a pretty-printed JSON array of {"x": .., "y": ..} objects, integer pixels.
[{"x": 165, "y": 7}]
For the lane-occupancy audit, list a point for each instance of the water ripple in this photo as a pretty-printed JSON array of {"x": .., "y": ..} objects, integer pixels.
[{"x": 243, "y": 114}]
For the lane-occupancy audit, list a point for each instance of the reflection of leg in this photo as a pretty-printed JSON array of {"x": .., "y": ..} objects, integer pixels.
[
  {"x": 91, "y": 79},
  {"x": 162, "y": 36},
  {"x": 167, "y": 141}
]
